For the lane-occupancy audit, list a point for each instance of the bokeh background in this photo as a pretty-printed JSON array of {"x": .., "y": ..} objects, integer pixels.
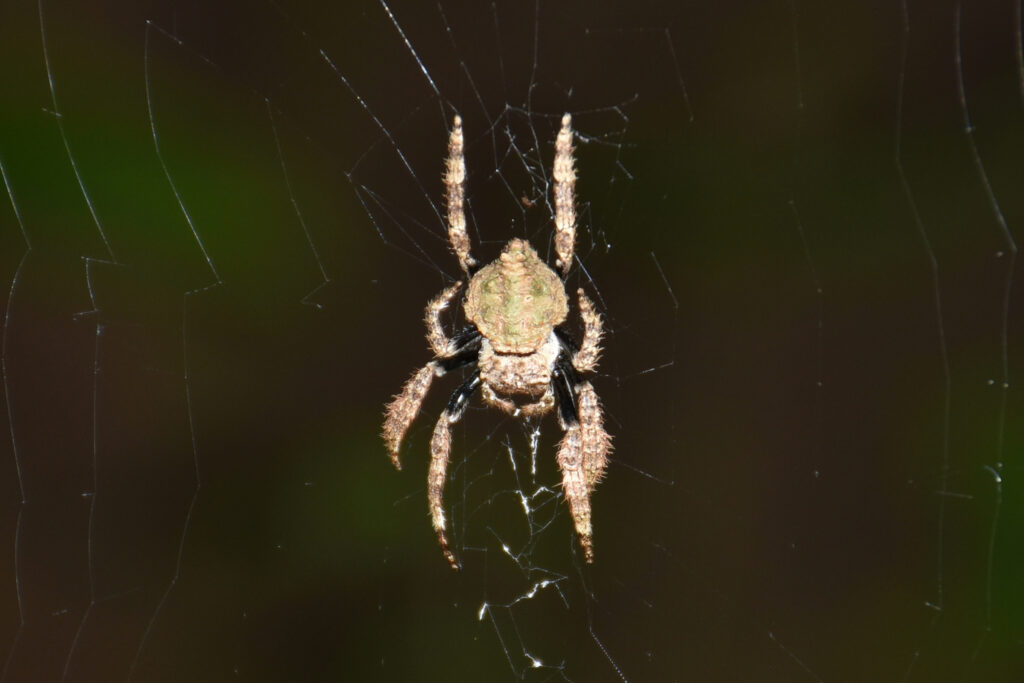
[{"x": 221, "y": 223}]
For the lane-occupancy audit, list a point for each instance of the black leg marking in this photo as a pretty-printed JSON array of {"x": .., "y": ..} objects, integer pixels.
[
  {"x": 460, "y": 360},
  {"x": 467, "y": 345},
  {"x": 468, "y": 336},
  {"x": 460, "y": 399},
  {"x": 568, "y": 343},
  {"x": 564, "y": 380}
]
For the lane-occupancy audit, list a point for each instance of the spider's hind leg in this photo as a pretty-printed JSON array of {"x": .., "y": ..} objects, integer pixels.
[
  {"x": 583, "y": 451},
  {"x": 440, "y": 450},
  {"x": 404, "y": 408}
]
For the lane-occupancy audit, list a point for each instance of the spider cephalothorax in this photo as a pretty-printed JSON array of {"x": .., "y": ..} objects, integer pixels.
[{"x": 524, "y": 364}]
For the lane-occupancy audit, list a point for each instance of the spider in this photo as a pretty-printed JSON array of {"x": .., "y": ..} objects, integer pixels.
[{"x": 523, "y": 363}]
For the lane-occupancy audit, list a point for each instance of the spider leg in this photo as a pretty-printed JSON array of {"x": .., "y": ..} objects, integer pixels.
[
  {"x": 596, "y": 441},
  {"x": 439, "y": 341},
  {"x": 440, "y": 449},
  {"x": 565, "y": 196},
  {"x": 404, "y": 408},
  {"x": 585, "y": 359},
  {"x": 461, "y": 350},
  {"x": 583, "y": 451},
  {"x": 455, "y": 192}
]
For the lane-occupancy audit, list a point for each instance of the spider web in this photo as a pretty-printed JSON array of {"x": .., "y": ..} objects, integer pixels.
[{"x": 798, "y": 220}]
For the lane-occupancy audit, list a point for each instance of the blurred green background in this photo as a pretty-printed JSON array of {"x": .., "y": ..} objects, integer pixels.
[{"x": 218, "y": 243}]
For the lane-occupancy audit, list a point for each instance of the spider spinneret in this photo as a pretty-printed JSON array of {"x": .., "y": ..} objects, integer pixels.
[{"x": 525, "y": 365}]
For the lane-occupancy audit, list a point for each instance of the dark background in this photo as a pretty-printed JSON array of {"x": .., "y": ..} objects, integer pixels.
[{"x": 797, "y": 218}]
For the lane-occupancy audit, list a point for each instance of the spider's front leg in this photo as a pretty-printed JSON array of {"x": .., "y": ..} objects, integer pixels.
[
  {"x": 455, "y": 192},
  {"x": 440, "y": 449},
  {"x": 449, "y": 354},
  {"x": 565, "y": 196}
]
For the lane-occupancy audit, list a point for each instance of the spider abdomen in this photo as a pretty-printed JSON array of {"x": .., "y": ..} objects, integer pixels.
[{"x": 516, "y": 300}]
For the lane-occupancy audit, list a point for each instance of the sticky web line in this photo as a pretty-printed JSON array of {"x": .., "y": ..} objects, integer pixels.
[
  {"x": 935, "y": 605},
  {"x": 23, "y": 494},
  {"x": 1009, "y": 254}
]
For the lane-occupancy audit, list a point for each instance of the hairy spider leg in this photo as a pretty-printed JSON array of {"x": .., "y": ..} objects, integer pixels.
[
  {"x": 403, "y": 408},
  {"x": 583, "y": 451},
  {"x": 440, "y": 450},
  {"x": 453, "y": 353},
  {"x": 585, "y": 358},
  {"x": 455, "y": 192},
  {"x": 564, "y": 172},
  {"x": 439, "y": 342}
]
